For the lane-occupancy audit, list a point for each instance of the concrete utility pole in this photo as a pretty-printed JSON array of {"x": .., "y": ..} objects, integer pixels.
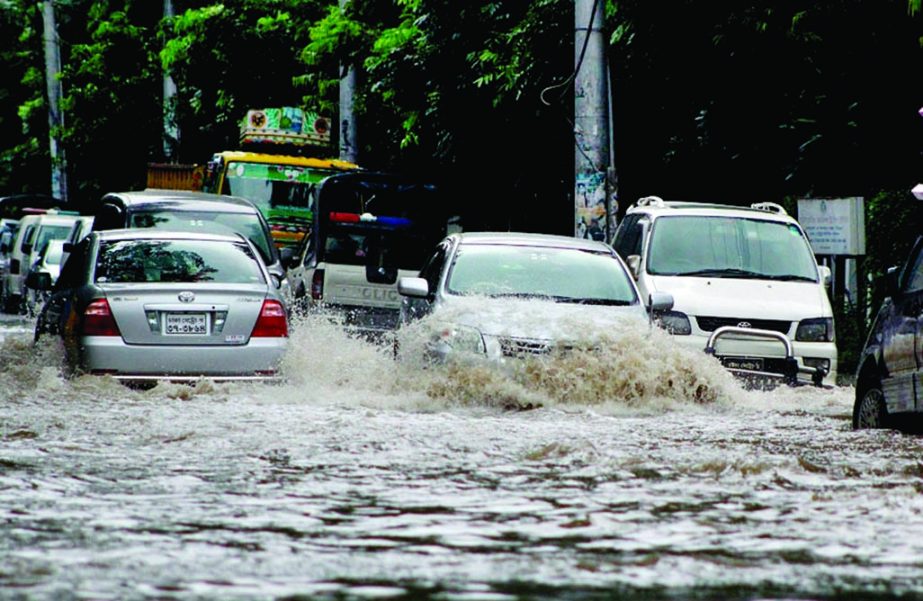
[
  {"x": 594, "y": 210},
  {"x": 349, "y": 149},
  {"x": 55, "y": 117},
  {"x": 170, "y": 128}
]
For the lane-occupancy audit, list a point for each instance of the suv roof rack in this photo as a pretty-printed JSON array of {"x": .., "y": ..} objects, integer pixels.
[
  {"x": 649, "y": 201},
  {"x": 769, "y": 207}
]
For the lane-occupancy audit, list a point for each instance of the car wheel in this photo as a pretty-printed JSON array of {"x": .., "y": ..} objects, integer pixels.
[{"x": 870, "y": 410}]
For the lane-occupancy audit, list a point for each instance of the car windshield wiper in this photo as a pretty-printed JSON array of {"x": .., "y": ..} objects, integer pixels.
[
  {"x": 790, "y": 277},
  {"x": 562, "y": 299},
  {"x": 723, "y": 273},
  {"x": 612, "y": 302}
]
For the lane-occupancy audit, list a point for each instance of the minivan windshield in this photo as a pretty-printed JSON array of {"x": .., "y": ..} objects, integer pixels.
[
  {"x": 732, "y": 247},
  {"x": 560, "y": 274}
]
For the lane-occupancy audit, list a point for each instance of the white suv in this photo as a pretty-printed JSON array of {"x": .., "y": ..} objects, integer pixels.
[{"x": 745, "y": 283}]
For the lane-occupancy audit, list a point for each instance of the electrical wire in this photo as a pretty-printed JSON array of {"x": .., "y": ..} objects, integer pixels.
[{"x": 570, "y": 78}]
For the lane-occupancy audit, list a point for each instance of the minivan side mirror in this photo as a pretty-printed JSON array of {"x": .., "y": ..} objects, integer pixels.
[
  {"x": 825, "y": 274},
  {"x": 634, "y": 265},
  {"x": 26, "y": 249}
]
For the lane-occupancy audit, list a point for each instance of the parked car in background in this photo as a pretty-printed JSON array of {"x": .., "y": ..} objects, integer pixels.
[
  {"x": 144, "y": 305},
  {"x": 890, "y": 370},
  {"x": 745, "y": 282},
  {"x": 49, "y": 261},
  {"x": 35, "y": 231},
  {"x": 8, "y": 229},
  {"x": 183, "y": 210},
  {"x": 478, "y": 284},
  {"x": 79, "y": 231}
]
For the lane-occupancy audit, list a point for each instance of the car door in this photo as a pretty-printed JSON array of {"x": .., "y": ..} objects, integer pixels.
[
  {"x": 432, "y": 271},
  {"x": 901, "y": 337}
]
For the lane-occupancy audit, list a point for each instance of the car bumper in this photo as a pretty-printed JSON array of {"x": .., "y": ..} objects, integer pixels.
[
  {"x": 258, "y": 360},
  {"x": 741, "y": 347}
]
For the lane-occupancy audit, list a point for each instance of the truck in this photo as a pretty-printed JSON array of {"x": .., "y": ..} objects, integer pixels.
[{"x": 273, "y": 169}]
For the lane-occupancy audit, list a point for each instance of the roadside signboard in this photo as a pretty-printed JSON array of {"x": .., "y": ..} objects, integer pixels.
[{"x": 835, "y": 226}]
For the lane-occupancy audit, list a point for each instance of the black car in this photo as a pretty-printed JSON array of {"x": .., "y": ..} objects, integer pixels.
[
  {"x": 890, "y": 373},
  {"x": 182, "y": 210}
]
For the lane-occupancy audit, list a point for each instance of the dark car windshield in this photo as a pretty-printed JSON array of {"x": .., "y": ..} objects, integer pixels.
[
  {"x": 171, "y": 261},
  {"x": 212, "y": 222},
  {"x": 730, "y": 247},
  {"x": 562, "y": 274}
]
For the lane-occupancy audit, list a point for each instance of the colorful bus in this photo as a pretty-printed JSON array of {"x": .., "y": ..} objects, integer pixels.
[{"x": 281, "y": 186}]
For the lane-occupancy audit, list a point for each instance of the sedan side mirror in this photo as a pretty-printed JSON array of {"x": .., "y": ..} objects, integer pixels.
[
  {"x": 287, "y": 256},
  {"x": 38, "y": 280},
  {"x": 413, "y": 287},
  {"x": 660, "y": 302}
]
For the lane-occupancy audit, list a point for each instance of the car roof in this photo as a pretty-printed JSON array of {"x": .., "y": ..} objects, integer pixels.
[
  {"x": 189, "y": 200},
  {"x": 530, "y": 239},
  {"x": 156, "y": 234},
  {"x": 52, "y": 219},
  {"x": 659, "y": 207}
]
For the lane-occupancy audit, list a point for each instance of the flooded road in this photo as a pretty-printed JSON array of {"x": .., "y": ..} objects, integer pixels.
[{"x": 644, "y": 474}]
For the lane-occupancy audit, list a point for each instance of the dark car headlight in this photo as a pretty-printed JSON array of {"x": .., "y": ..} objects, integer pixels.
[
  {"x": 674, "y": 322},
  {"x": 818, "y": 329}
]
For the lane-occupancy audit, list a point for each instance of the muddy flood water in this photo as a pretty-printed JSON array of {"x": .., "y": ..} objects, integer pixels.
[{"x": 639, "y": 472}]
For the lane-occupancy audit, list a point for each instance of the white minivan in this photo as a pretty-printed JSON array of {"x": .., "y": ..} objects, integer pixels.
[
  {"x": 745, "y": 282},
  {"x": 34, "y": 232}
]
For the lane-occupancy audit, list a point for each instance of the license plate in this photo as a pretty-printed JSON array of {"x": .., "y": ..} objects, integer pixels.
[
  {"x": 185, "y": 324},
  {"x": 750, "y": 364}
]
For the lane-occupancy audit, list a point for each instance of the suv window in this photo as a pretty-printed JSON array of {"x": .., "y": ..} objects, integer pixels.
[{"x": 628, "y": 237}]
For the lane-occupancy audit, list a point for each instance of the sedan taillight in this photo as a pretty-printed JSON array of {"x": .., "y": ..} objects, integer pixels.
[
  {"x": 272, "y": 322},
  {"x": 98, "y": 320}
]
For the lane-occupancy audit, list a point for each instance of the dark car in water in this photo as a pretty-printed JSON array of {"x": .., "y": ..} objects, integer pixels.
[{"x": 889, "y": 388}]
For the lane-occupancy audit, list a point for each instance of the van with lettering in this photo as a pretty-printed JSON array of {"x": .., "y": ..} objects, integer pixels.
[{"x": 369, "y": 229}]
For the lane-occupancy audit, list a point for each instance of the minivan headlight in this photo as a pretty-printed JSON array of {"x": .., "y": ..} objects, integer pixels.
[
  {"x": 819, "y": 329},
  {"x": 674, "y": 322}
]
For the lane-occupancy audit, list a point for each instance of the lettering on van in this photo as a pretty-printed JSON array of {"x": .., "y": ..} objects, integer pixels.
[{"x": 368, "y": 294}]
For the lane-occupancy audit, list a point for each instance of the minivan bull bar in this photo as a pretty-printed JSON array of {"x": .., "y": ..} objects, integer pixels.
[{"x": 790, "y": 370}]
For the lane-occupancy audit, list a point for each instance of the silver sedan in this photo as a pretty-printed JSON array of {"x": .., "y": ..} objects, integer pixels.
[
  {"x": 145, "y": 305},
  {"x": 511, "y": 295}
]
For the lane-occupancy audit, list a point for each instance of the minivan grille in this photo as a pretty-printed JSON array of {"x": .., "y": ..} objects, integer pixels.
[{"x": 710, "y": 324}]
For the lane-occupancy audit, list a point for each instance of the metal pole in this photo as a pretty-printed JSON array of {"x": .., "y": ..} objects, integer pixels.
[
  {"x": 591, "y": 123},
  {"x": 349, "y": 150},
  {"x": 170, "y": 128},
  {"x": 54, "y": 88}
]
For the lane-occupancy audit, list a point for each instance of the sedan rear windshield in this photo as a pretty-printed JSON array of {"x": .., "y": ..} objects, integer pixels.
[
  {"x": 174, "y": 261},
  {"x": 731, "y": 247},
  {"x": 561, "y": 274},
  {"x": 211, "y": 222}
]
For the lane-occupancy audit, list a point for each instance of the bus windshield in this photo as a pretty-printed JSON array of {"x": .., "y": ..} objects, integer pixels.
[{"x": 281, "y": 192}]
